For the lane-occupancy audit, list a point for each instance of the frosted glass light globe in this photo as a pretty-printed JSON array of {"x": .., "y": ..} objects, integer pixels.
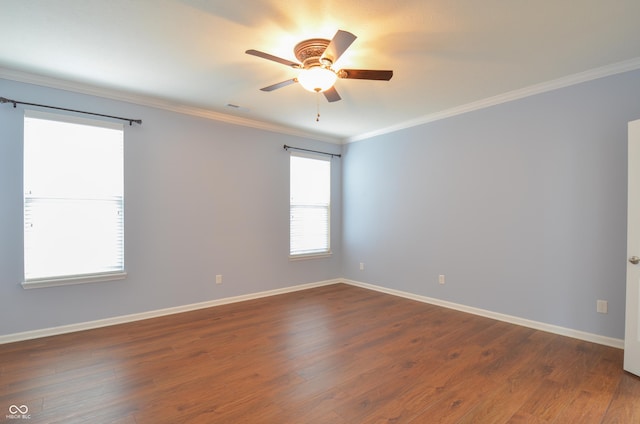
[{"x": 317, "y": 79}]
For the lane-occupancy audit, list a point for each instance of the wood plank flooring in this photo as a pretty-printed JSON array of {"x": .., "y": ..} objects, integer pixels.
[{"x": 334, "y": 354}]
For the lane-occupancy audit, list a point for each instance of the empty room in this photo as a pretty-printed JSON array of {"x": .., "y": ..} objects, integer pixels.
[{"x": 319, "y": 211}]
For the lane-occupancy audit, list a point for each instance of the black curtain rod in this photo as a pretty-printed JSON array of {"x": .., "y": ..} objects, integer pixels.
[
  {"x": 312, "y": 151},
  {"x": 16, "y": 102}
]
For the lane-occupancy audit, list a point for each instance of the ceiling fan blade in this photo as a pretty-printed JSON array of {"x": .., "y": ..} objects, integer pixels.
[
  {"x": 280, "y": 85},
  {"x": 366, "y": 74},
  {"x": 338, "y": 45},
  {"x": 332, "y": 94},
  {"x": 272, "y": 57}
]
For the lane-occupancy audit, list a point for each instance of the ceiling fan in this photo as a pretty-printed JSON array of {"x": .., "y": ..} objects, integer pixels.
[{"x": 317, "y": 56}]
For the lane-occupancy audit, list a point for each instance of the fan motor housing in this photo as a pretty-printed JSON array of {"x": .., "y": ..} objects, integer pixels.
[{"x": 308, "y": 52}]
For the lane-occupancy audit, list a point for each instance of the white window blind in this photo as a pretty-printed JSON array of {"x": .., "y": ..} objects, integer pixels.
[
  {"x": 310, "y": 194},
  {"x": 73, "y": 198}
]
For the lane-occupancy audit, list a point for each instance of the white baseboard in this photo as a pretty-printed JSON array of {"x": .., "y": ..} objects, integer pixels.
[
  {"x": 46, "y": 332},
  {"x": 576, "y": 334},
  {"x": 53, "y": 331}
]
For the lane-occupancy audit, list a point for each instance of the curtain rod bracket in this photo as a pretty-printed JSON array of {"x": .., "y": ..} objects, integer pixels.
[{"x": 5, "y": 100}]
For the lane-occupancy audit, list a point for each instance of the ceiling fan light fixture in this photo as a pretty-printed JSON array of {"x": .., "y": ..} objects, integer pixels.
[
  {"x": 316, "y": 57},
  {"x": 317, "y": 79}
]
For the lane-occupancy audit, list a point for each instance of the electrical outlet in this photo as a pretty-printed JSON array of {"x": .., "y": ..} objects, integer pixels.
[
  {"x": 219, "y": 279},
  {"x": 441, "y": 279},
  {"x": 361, "y": 266},
  {"x": 602, "y": 306}
]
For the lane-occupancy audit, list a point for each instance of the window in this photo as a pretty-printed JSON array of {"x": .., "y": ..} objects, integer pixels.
[
  {"x": 73, "y": 200},
  {"x": 310, "y": 193}
]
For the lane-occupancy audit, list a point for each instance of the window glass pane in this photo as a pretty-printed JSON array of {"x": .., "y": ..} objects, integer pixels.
[
  {"x": 310, "y": 191},
  {"x": 74, "y": 198},
  {"x": 310, "y": 180}
]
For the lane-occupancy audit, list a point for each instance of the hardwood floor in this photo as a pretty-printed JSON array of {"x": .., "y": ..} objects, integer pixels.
[{"x": 335, "y": 354}]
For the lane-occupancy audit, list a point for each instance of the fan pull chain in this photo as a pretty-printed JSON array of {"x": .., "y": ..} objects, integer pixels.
[{"x": 318, "y": 106}]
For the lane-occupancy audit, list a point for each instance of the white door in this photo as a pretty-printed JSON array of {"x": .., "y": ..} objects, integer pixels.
[{"x": 632, "y": 325}]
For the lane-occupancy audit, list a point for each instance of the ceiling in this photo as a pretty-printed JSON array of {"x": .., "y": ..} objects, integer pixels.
[{"x": 190, "y": 54}]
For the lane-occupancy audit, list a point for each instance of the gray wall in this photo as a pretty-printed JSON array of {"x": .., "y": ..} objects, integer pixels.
[
  {"x": 201, "y": 198},
  {"x": 522, "y": 206}
]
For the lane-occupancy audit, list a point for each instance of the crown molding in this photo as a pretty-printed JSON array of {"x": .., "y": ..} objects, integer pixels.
[
  {"x": 157, "y": 103},
  {"x": 593, "y": 74},
  {"x": 589, "y": 75}
]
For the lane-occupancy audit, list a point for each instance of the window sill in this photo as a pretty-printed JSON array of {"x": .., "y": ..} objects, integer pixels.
[
  {"x": 309, "y": 256},
  {"x": 72, "y": 280}
]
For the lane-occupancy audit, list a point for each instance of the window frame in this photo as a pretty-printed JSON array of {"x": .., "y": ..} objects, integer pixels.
[
  {"x": 78, "y": 278},
  {"x": 318, "y": 254}
]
